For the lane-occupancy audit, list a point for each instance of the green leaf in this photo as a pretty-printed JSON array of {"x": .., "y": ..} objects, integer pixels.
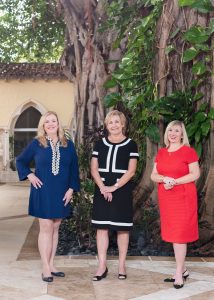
[
  {"x": 203, "y": 6},
  {"x": 211, "y": 26},
  {"x": 200, "y": 117},
  {"x": 199, "y": 68},
  {"x": 198, "y": 96},
  {"x": 169, "y": 49},
  {"x": 194, "y": 82},
  {"x": 211, "y": 114},
  {"x": 189, "y": 54},
  {"x": 111, "y": 99},
  {"x": 203, "y": 47},
  {"x": 153, "y": 133},
  {"x": 198, "y": 136},
  {"x": 205, "y": 127},
  {"x": 186, "y": 2},
  {"x": 191, "y": 129},
  {"x": 165, "y": 112},
  {"x": 110, "y": 83},
  {"x": 196, "y": 35},
  {"x": 134, "y": 101},
  {"x": 203, "y": 107},
  {"x": 198, "y": 148}
]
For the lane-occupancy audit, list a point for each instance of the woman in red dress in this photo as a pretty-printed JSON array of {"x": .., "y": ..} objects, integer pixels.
[{"x": 175, "y": 170}]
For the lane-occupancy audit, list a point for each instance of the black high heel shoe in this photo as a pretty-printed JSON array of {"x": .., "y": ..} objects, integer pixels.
[
  {"x": 173, "y": 279},
  {"x": 47, "y": 279},
  {"x": 178, "y": 286},
  {"x": 98, "y": 278},
  {"x": 58, "y": 274}
]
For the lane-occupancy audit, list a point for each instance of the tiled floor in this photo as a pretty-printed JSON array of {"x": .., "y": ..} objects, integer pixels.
[{"x": 20, "y": 277}]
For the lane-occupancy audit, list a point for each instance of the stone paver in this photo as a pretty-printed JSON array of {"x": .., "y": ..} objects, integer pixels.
[{"x": 20, "y": 267}]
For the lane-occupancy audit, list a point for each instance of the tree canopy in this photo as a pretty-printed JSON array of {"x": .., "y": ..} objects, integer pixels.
[{"x": 31, "y": 31}]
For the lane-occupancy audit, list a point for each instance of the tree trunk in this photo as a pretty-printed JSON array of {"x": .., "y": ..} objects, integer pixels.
[
  {"x": 170, "y": 74},
  {"x": 207, "y": 207},
  {"x": 84, "y": 62}
]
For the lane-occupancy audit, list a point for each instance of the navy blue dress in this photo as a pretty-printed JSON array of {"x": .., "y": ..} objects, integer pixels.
[{"x": 47, "y": 202}]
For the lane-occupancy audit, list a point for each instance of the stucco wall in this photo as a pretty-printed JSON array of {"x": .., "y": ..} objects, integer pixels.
[
  {"x": 51, "y": 95},
  {"x": 16, "y": 96}
]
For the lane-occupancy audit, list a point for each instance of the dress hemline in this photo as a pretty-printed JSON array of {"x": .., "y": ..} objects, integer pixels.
[
  {"x": 112, "y": 227},
  {"x": 48, "y": 217},
  {"x": 180, "y": 242}
]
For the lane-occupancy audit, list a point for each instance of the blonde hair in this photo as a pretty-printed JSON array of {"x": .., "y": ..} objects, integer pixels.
[
  {"x": 41, "y": 134},
  {"x": 184, "y": 140},
  {"x": 120, "y": 115}
]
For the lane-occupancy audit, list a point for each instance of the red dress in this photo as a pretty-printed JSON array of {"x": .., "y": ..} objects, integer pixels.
[{"x": 178, "y": 206}]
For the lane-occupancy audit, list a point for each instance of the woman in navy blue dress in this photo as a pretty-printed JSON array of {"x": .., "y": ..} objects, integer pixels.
[{"x": 55, "y": 179}]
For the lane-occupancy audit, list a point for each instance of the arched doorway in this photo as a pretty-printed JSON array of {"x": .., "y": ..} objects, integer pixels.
[{"x": 25, "y": 129}]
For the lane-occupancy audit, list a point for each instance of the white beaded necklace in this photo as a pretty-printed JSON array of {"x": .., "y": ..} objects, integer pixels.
[{"x": 55, "y": 156}]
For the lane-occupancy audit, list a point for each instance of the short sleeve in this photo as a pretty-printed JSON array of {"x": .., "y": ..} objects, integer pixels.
[
  {"x": 133, "y": 151},
  {"x": 95, "y": 151},
  {"x": 191, "y": 155}
]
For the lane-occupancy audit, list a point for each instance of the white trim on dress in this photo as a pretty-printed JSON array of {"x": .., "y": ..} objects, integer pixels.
[{"x": 111, "y": 223}]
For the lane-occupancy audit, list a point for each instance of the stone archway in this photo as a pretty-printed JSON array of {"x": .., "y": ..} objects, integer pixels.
[{"x": 23, "y": 128}]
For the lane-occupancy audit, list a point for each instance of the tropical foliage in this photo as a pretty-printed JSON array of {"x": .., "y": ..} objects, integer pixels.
[{"x": 137, "y": 90}]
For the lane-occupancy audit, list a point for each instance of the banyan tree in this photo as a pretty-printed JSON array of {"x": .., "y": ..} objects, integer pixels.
[
  {"x": 154, "y": 60},
  {"x": 181, "y": 70}
]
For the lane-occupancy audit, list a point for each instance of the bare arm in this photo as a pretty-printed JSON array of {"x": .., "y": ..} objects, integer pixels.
[
  {"x": 167, "y": 181},
  {"x": 194, "y": 173},
  {"x": 98, "y": 180},
  {"x": 95, "y": 173},
  {"x": 155, "y": 176},
  {"x": 125, "y": 178}
]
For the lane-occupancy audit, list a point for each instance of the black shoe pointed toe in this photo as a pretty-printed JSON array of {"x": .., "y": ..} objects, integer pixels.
[
  {"x": 98, "y": 278},
  {"x": 178, "y": 286},
  {"x": 47, "y": 279},
  {"x": 169, "y": 279},
  {"x": 58, "y": 274}
]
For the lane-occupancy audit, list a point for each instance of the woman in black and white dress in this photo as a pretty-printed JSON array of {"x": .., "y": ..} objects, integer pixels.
[{"x": 113, "y": 164}]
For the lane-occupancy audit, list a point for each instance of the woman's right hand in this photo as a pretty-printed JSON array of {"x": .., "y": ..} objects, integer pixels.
[
  {"x": 107, "y": 195},
  {"x": 168, "y": 186},
  {"x": 169, "y": 181},
  {"x": 35, "y": 181}
]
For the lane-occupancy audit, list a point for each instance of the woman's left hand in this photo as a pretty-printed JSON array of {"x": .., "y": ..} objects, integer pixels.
[
  {"x": 68, "y": 196},
  {"x": 108, "y": 189}
]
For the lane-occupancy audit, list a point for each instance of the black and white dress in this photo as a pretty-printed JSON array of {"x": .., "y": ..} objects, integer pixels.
[{"x": 113, "y": 161}]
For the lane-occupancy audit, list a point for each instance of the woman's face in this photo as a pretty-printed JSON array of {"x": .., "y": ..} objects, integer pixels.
[
  {"x": 175, "y": 134},
  {"x": 114, "y": 125},
  {"x": 51, "y": 125}
]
